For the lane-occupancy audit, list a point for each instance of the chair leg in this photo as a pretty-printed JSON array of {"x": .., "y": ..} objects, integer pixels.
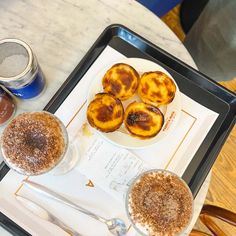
[
  {"x": 195, "y": 232},
  {"x": 210, "y": 224},
  {"x": 220, "y": 213}
]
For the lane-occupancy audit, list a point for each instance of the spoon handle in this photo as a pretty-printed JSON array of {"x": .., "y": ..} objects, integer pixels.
[
  {"x": 55, "y": 196},
  {"x": 63, "y": 226}
]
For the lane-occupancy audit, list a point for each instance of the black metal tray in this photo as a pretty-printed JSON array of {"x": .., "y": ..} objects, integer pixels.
[{"x": 191, "y": 82}]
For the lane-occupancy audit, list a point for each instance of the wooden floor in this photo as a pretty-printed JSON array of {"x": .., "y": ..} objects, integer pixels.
[
  {"x": 173, "y": 21},
  {"x": 222, "y": 190}
]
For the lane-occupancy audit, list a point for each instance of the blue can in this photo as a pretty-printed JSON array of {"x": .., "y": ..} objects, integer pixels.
[{"x": 19, "y": 69}]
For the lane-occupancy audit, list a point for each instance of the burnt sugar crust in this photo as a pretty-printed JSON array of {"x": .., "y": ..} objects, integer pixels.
[
  {"x": 156, "y": 88},
  {"x": 143, "y": 120},
  {"x": 121, "y": 80},
  {"x": 105, "y": 112}
]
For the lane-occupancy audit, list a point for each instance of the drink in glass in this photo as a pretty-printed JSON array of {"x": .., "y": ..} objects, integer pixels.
[
  {"x": 159, "y": 203},
  {"x": 36, "y": 142}
]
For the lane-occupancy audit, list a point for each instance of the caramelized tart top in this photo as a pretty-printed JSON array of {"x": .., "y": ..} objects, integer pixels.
[
  {"x": 121, "y": 80},
  {"x": 143, "y": 120},
  {"x": 156, "y": 88},
  {"x": 105, "y": 112}
]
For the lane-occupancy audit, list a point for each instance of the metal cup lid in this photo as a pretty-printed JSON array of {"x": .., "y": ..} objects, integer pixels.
[{"x": 16, "y": 58}]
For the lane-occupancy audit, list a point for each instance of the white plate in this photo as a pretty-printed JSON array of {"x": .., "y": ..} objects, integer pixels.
[{"x": 171, "y": 112}]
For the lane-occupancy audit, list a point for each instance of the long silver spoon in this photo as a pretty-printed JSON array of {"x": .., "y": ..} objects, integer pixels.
[{"x": 115, "y": 225}]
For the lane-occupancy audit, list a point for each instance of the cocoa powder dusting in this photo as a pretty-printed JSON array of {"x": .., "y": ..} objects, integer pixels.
[
  {"x": 33, "y": 143},
  {"x": 160, "y": 203}
]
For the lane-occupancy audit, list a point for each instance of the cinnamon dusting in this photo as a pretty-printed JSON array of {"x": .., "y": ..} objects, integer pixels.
[
  {"x": 33, "y": 143},
  {"x": 160, "y": 203}
]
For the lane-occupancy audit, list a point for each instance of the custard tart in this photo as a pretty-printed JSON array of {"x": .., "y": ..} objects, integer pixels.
[
  {"x": 156, "y": 88},
  {"x": 105, "y": 112},
  {"x": 121, "y": 80},
  {"x": 143, "y": 120}
]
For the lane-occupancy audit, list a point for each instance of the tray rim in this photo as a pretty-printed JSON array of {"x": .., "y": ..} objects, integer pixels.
[
  {"x": 117, "y": 30},
  {"x": 211, "y": 86}
]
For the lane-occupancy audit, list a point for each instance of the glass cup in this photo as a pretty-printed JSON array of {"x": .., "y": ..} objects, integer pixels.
[
  {"x": 35, "y": 143},
  {"x": 158, "y": 202}
]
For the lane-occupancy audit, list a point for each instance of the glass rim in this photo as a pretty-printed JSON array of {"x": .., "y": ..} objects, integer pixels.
[
  {"x": 65, "y": 137},
  {"x": 133, "y": 182}
]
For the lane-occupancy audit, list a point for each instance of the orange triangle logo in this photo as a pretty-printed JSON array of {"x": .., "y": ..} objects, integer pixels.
[{"x": 90, "y": 184}]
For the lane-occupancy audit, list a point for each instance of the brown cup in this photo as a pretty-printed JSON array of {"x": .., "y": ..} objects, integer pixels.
[{"x": 7, "y": 106}]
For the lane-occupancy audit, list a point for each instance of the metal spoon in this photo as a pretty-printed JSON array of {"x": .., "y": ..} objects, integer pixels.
[
  {"x": 42, "y": 213},
  {"x": 115, "y": 225}
]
